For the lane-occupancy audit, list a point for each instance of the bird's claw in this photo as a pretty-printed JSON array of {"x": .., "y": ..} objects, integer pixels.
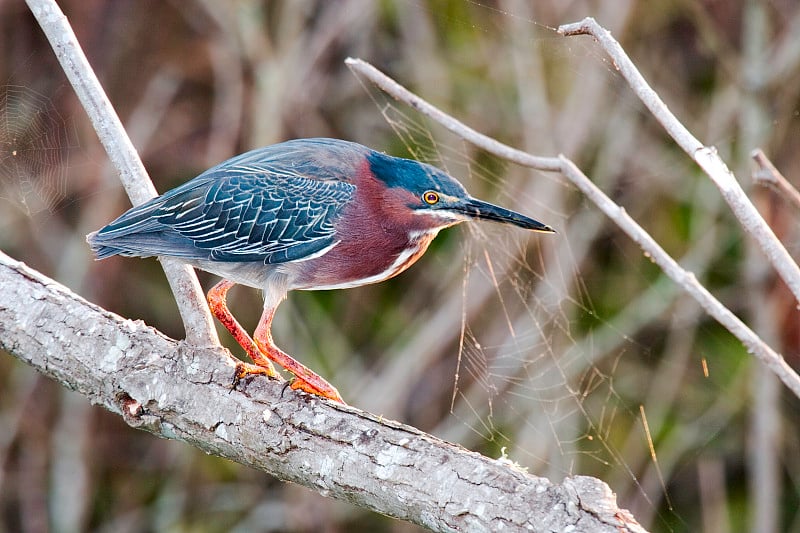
[
  {"x": 247, "y": 370},
  {"x": 317, "y": 388}
]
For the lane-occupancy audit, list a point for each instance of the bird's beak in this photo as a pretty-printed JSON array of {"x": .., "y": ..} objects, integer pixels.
[{"x": 480, "y": 210}]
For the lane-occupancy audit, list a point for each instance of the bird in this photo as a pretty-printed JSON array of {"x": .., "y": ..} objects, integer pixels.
[{"x": 304, "y": 214}]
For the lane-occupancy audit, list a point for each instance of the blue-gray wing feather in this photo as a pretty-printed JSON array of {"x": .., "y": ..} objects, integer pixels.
[{"x": 248, "y": 212}]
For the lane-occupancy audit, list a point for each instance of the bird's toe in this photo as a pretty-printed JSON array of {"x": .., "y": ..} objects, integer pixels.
[{"x": 245, "y": 371}]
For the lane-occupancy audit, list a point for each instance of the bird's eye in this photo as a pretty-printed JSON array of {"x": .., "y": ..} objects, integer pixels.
[{"x": 431, "y": 197}]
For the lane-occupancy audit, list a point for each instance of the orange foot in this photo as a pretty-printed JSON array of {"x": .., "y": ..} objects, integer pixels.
[
  {"x": 312, "y": 384},
  {"x": 318, "y": 387},
  {"x": 246, "y": 370}
]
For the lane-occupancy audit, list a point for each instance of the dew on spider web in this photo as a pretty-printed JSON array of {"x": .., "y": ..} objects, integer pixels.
[{"x": 34, "y": 150}]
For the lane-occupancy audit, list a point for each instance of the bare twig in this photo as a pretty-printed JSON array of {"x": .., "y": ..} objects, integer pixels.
[
  {"x": 182, "y": 279},
  {"x": 396, "y": 90},
  {"x": 766, "y": 174},
  {"x": 705, "y": 156},
  {"x": 651, "y": 248},
  {"x": 179, "y": 392}
]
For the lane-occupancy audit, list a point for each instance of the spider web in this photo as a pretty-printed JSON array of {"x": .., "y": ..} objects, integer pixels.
[
  {"x": 543, "y": 379},
  {"x": 34, "y": 150},
  {"x": 536, "y": 369},
  {"x": 528, "y": 360}
]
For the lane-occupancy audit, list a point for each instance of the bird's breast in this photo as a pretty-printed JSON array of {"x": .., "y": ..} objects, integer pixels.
[{"x": 356, "y": 262}]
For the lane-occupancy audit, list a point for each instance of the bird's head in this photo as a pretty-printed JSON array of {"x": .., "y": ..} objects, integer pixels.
[{"x": 439, "y": 197}]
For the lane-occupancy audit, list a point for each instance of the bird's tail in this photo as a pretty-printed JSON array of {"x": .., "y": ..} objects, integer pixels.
[
  {"x": 128, "y": 235},
  {"x": 104, "y": 247},
  {"x": 101, "y": 251},
  {"x": 137, "y": 233}
]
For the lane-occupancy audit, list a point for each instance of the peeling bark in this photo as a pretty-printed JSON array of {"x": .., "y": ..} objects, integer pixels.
[{"x": 182, "y": 392}]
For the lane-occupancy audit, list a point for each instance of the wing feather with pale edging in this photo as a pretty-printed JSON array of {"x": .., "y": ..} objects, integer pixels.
[{"x": 238, "y": 213}]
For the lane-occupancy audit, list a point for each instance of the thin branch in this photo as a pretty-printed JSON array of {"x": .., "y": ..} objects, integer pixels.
[
  {"x": 391, "y": 87},
  {"x": 182, "y": 279},
  {"x": 766, "y": 174},
  {"x": 180, "y": 392},
  {"x": 705, "y": 156},
  {"x": 651, "y": 248}
]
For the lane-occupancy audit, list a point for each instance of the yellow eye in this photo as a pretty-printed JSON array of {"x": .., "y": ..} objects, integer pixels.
[{"x": 431, "y": 197}]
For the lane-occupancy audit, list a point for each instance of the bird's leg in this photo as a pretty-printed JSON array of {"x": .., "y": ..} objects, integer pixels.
[
  {"x": 219, "y": 307},
  {"x": 305, "y": 378}
]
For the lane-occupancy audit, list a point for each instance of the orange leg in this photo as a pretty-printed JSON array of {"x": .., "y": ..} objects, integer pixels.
[
  {"x": 217, "y": 302},
  {"x": 305, "y": 379}
]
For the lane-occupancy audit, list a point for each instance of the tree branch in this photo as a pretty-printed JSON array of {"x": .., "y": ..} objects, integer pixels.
[
  {"x": 181, "y": 392},
  {"x": 705, "y": 156},
  {"x": 651, "y": 248},
  {"x": 769, "y": 176},
  {"x": 182, "y": 279}
]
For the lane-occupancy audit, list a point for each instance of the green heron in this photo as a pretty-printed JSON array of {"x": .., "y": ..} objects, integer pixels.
[{"x": 307, "y": 214}]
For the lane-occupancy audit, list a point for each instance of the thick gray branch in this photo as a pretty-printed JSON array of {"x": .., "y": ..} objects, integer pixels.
[{"x": 182, "y": 392}]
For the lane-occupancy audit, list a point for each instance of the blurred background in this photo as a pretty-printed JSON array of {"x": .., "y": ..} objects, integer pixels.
[{"x": 567, "y": 353}]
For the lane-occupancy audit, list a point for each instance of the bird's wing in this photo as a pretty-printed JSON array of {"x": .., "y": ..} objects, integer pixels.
[{"x": 240, "y": 213}]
